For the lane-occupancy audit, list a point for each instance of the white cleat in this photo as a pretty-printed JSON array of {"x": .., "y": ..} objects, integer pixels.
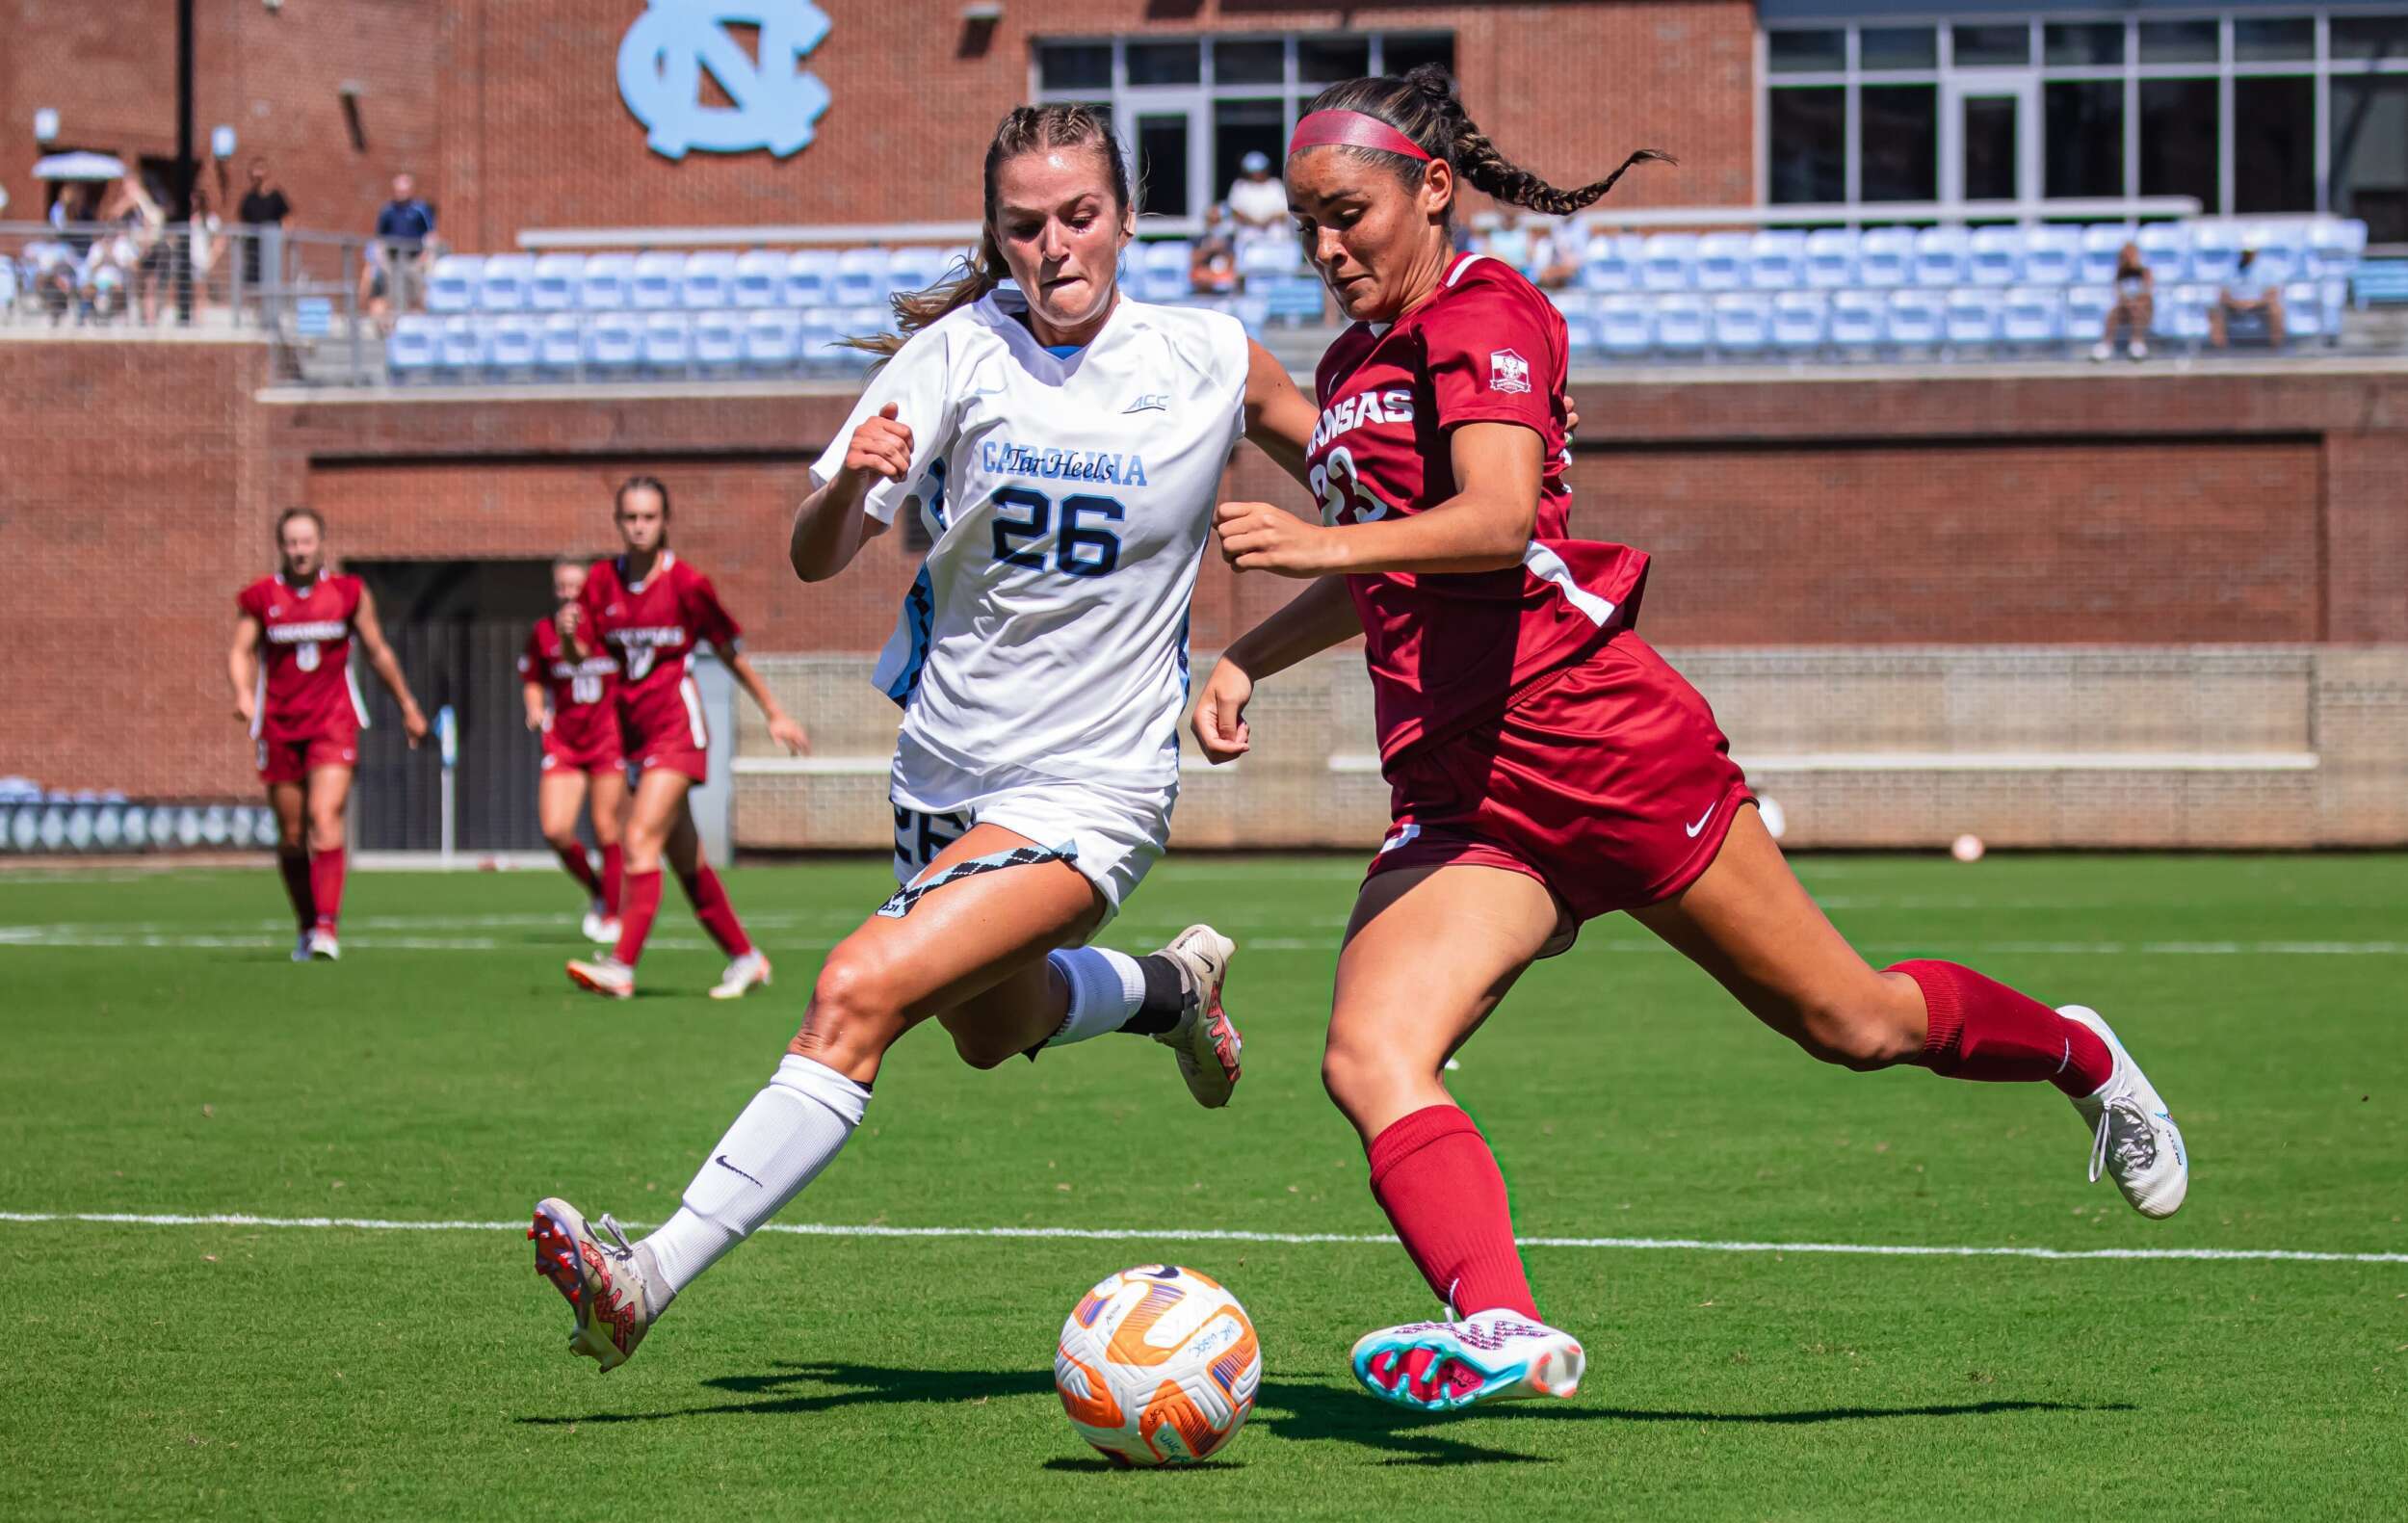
[
  {"x": 747, "y": 973},
  {"x": 2133, "y": 1136},
  {"x": 1488, "y": 1356},
  {"x": 606, "y": 1284},
  {"x": 606, "y": 976},
  {"x": 324, "y": 948},
  {"x": 1205, "y": 1039},
  {"x": 598, "y": 927},
  {"x": 300, "y": 948}
]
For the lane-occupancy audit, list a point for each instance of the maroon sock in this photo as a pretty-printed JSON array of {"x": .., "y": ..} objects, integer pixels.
[
  {"x": 1980, "y": 1029},
  {"x": 642, "y": 902},
  {"x": 295, "y": 866},
  {"x": 1433, "y": 1174},
  {"x": 325, "y": 886},
  {"x": 612, "y": 885},
  {"x": 573, "y": 858},
  {"x": 708, "y": 898}
]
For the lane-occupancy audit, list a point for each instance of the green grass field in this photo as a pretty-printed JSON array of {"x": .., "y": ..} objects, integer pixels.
[{"x": 160, "y": 1056}]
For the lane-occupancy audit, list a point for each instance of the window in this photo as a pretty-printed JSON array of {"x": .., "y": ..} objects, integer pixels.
[
  {"x": 1886, "y": 47},
  {"x": 2282, "y": 41},
  {"x": 1162, "y": 148},
  {"x": 1249, "y": 62},
  {"x": 1164, "y": 63},
  {"x": 2084, "y": 43},
  {"x": 2083, "y": 131},
  {"x": 2274, "y": 144},
  {"x": 2370, "y": 37},
  {"x": 1807, "y": 52},
  {"x": 1810, "y": 144},
  {"x": 1991, "y": 45},
  {"x": 2179, "y": 128},
  {"x": 1403, "y": 50},
  {"x": 1328, "y": 59},
  {"x": 2370, "y": 154},
  {"x": 1901, "y": 128},
  {"x": 2177, "y": 43},
  {"x": 1075, "y": 66}
]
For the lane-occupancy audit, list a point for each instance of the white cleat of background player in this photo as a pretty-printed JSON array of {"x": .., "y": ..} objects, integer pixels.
[
  {"x": 2132, "y": 1136},
  {"x": 600, "y": 926},
  {"x": 747, "y": 973},
  {"x": 323, "y": 947},
  {"x": 606, "y": 976}
]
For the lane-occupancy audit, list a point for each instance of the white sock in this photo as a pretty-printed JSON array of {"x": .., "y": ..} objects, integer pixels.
[
  {"x": 1106, "y": 990},
  {"x": 792, "y": 1129}
]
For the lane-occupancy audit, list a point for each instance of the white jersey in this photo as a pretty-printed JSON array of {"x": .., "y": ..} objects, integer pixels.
[{"x": 1070, "y": 499}]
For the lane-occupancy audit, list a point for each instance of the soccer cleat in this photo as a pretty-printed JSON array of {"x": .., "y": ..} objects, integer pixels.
[
  {"x": 1207, "y": 1043},
  {"x": 598, "y": 926},
  {"x": 604, "y": 975},
  {"x": 608, "y": 1285},
  {"x": 747, "y": 973},
  {"x": 323, "y": 947},
  {"x": 2100, "y": 354},
  {"x": 1488, "y": 1356},
  {"x": 300, "y": 948},
  {"x": 2133, "y": 1136}
]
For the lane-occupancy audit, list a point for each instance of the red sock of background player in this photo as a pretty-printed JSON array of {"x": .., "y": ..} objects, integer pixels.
[
  {"x": 325, "y": 886},
  {"x": 711, "y": 906},
  {"x": 1980, "y": 1029},
  {"x": 613, "y": 886},
  {"x": 573, "y": 858},
  {"x": 1433, "y": 1174},
  {"x": 640, "y": 902},
  {"x": 295, "y": 866}
]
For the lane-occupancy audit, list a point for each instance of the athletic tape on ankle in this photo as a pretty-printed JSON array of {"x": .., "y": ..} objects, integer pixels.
[{"x": 919, "y": 888}]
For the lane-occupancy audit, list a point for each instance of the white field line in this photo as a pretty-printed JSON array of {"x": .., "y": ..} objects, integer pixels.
[{"x": 819, "y": 1229}]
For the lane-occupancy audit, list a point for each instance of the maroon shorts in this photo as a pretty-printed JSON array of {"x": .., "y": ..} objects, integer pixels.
[
  {"x": 1607, "y": 781},
  {"x": 292, "y": 760},
  {"x": 601, "y": 752}
]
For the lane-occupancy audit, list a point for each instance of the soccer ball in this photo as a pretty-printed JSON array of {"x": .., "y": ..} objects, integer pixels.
[{"x": 1157, "y": 1366}]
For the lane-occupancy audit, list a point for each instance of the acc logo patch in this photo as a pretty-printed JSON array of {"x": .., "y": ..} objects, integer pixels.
[
  {"x": 778, "y": 103},
  {"x": 1507, "y": 371}
]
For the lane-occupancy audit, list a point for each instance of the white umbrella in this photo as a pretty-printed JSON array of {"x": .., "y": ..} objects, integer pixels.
[{"x": 80, "y": 166}]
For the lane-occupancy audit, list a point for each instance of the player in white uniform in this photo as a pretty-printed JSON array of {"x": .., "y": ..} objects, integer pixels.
[{"x": 1064, "y": 446}]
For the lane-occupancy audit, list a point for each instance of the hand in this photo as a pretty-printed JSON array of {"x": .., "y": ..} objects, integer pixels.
[
  {"x": 413, "y": 724},
  {"x": 243, "y": 709},
  {"x": 881, "y": 446},
  {"x": 790, "y": 735},
  {"x": 1257, "y": 537},
  {"x": 567, "y": 617},
  {"x": 535, "y": 720},
  {"x": 1219, "y": 718},
  {"x": 1571, "y": 420}
]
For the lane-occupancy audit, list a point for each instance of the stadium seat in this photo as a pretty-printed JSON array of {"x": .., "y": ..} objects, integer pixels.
[
  {"x": 1162, "y": 272},
  {"x": 2214, "y": 252},
  {"x": 654, "y": 281},
  {"x": 553, "y": 287},
  {"x": 754, "y": 282},
  {"x": 1971, "y": 316},
  {"x": 821, "y": 327},
  {"x": 914, "y": 269},
  {"x": 2282, "y": 251},
  {"x": 2305, "y": 310},
  {"x": 1776, "y": 261},
  {"x": 2181, "y": 311},
  {"x": 2086, "y": 309},
  {"x": 772, "y": 340},
  {"x": 1885, "y": 256},
  {"x": 1682, "y": 324},
  {"x": 1859, "y": 319},
  {"x": 1610, "y": 263},
  {"x": 410, "y": 349},
  {"x": 1296, "y": 297},
  {"x": 1917, "y": 317},
  {"x": 1625, "y": 323},
  {"x": 1941, "y": 256},
  {"x": 1668, "y": 262},
  {"x": 1800, "y": 320},
  {"x": 457, "y": 345},
  {"x": 452, "y": 284},
  {"x": 859, "y": 322},
  {"x": 1831, "y": 258},
  {"x": 1743, "y": 321},
  {"x": 1251, "y": 309},
  {"x": 2052, "y": 255},
  {"x": 502, "y": 286},
  {"x": 860, "y": 277},
  {"x": 614, "y": 341},
  {"x": 1266, "y": 258},
  {"x": 2102, "y": 247},
  {"x": 810, "y": 278},
  {"x": 602, "y": 285},
  {"x": 1995, "y": 256},
  {"x": 717, "y": 338},
  {"x": 2335, "y": 246},
  {"x": 510, "y": 341},
  {"x": 2165, "y": 249},
  {"x": 560, "y": 344},
  {"x": 708, "y": 281},
  {"x": 2032, "y": 314},
  {"x": 668, "y": 342},
  {"x": 1722, "y": 261}
]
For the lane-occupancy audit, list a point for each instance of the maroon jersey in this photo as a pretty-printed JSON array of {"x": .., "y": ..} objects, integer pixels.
[
  {"x": 652, "y": 629},
  {"x": 1448, "y": 650},
  {"x": 585, "y": 694},
  {"x": 305, "y": 688}
]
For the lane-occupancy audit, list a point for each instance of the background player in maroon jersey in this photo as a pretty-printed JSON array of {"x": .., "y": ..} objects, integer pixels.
[
  {"x": 573, "y": 702},
  {"x": 294, "y": 693},
  {"x": 649, "y": 610},
  {"x": 1546, "y": 766}
]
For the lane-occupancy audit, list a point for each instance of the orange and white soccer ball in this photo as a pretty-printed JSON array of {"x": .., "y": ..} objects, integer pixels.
[{"x": 1158, "y": 1365}]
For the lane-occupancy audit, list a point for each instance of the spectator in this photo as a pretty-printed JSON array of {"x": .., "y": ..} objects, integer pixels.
[
  {"x": 1555, "y": 253},
  {"x": 1501, "y": 240},
  {"x": 1213, "y": 268},
  {"x": 262, "y": 216},
  {"x": 2248, "y": 295},
  {"x": 2134, "y": 305},
  {"x": 1257, "y": 199},
  {"x": 203, "y": 243},
  {"x": 138, "y": 249},
  {"x": 53, "y": 265},
  {"x": 394, "y": 271}
]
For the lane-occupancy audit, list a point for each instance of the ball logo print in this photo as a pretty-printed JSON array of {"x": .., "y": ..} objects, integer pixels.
[
  {"x": 777, "y": 102},
  {"x": 1158, "y": 1365}
]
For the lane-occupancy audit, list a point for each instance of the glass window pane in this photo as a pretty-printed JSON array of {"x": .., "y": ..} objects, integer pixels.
[
  {"x": 1074, "y": 65},
  {"x": 2082, "y": 148},
  {"x": 2370, "y": 154},
  {"x": 2274, "y": 134},
  {"x": 2178, "y": 130},
  {"x": 1166, "y": 62},
  {"x": 1249, "y": 62},
  {"x": 1163, "y": 166},
  {"x": 1809, "y": 144},
  {"x": 2093, "y": 43},
  {"x": 1897, "y": 48},
  {"x": 1990, "y": 146},
  {"x": 1240, "y": 127},
  {"x": 2370, "y": 37},
  {"x": 1901, "y": 128},
  {"x": 2177, "y": 43},
  {"x": 2273, "y": 42},
  {"x": 1403, "y": 50},
  {"x": 1806, "y": 52},
  {"x": 1328, "y": 59},
  {"x": 2009, "y": 42}
]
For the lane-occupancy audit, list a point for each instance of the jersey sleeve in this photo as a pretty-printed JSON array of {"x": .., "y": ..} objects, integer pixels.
[
  {"x": 709, "y": 619},
  {"x": 917, "y": 381},
  {"x": 531, "y": 660},
  {"x": 253, "y": 600},
  {"x": 1491, "y": 360}
]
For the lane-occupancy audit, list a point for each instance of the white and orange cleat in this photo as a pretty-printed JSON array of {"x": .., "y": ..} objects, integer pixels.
[
  {"x": 604, "y": 975},
  {"x": 1488, "y": 1356},
  {"x": 1206, "y": 1041},
  {"x": 608, "y": 1285},
  {"x": 323, "y": 947},
  {"x": 744, "y": 974}
]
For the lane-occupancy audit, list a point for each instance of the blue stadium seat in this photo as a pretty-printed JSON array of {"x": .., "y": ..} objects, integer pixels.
[
  {"x": 1776, "y": 261},
  {"x": 2165, "y": 249},
  {"x": 855, "y": 321},
  {"x": 562, "y": 343},
  {"x": 1743, "y": 321},
  {"x": 820, "y": 327},
  {"x": 915, "y": 269},
  {"x": 1682, "y": 324},
  {"x": 2335, "y": 244},
  {"x": 2052, "y": 255},
  {"x": 1940, "y": 256},
  {"x": 2214, "y": 252},
  {"x": 1800, "y": 319},
  {"x": 757, "y": 276},
  {"x": 2032, "y": 314},
  {"x": 772, "y": 340},
  {"x": 1885, "y": 256},
  {"x": 1831, "y": 258},
  {"x": 1268, "y": 258},
  {"x": 1668, "y": 262},
  {"x": 1859, "y": 319},
  {"x": 1995, "y": 256},
  {"x": 602, "y": 286},
  {"x": 653, "y": 281},
  {"x": 2306, "y": 314},
  {"x": 810, "y": 278},
  {"x": 2101, "y": 246},
  {"x": 667, "y": 343},
  {"x": 2282, "y": 251},
  {"x": 1296, "y": 297},
  {"x": 553, "y": 288},
  {"x": 708, "y": 281},
  {"x": 860, "y": 277},
  {"x": 1973, "y": 315},
  {"x": 1722, "y": 261},
  {"x": 457, "y": 345},
  {"x": 505, "y": 284},
  {"x": 2086, "y": 309},
  {"x": 452, "y": 284},
  {"x": 1917, "y": 318},
  {"x": 717, "y": 339},
  {"x": 1253, "y": 309},
  {"x": 2181, "y": 311},
  {"x": 410, "y": 351},
  {"x": 614, "y": 341},
  {"x": 1610, "y": 263},
  {"x": 1162, "y": 270},
  {"x": 510, "y": 341},
  {"x": 1625, "y": 323}
]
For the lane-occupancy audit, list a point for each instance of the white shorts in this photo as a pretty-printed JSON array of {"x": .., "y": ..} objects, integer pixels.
[{"x": 1113, "y": 835}]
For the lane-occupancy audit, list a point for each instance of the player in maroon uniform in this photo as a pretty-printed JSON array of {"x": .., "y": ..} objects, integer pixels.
[
  {"x": 294, "y": 693},
  {"x": 573, "y": 702},
  {"x": 650, "y": 610},
  {"x": 1546, "y": 765}
]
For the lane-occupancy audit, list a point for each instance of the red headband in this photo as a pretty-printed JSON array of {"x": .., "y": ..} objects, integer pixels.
[{"x": 1353, "y": 129}]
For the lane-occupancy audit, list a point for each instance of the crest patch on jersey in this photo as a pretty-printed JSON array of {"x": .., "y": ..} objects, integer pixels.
[{"x": 1507, "y": 371}]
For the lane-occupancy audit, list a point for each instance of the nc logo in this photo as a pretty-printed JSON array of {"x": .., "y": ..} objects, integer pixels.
[{"x": 776, "y": 104}]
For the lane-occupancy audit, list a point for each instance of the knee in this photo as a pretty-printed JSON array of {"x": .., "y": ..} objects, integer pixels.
[
  {"x": 561, "y": 838},
  {"x": 290, "y": 839},
  {"x": 326, "y": 830},
  {"x": 1862, "y": 1033},
  {"x": 854, "y": 1012},
  {"x": 1358, "y": 1074}
]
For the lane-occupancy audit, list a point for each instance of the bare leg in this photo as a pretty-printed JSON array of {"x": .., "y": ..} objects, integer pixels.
[{"x": 292, "y": 849}]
